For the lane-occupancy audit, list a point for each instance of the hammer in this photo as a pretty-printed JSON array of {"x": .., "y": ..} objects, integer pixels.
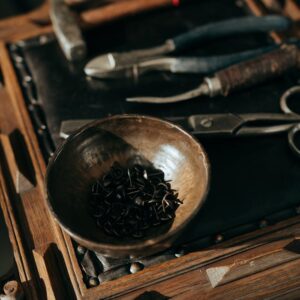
[{"x": 67, "y": 24}]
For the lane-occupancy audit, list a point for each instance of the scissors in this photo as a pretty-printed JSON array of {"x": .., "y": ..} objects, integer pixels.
[
  {"x": 229, "y": 124},
  {"x": 254, "y": 124}
]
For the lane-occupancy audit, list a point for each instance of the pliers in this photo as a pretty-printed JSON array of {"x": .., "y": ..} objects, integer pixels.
[{"x": 114, "y": 65}]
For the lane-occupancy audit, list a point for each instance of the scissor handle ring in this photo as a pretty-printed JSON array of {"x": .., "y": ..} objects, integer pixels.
[
  {"x": 285, "y": 96},
  {"x": 291, "y": 138}
]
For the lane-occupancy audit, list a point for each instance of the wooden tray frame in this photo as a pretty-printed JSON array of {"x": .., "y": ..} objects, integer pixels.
[{"x": 45, "y": 257}]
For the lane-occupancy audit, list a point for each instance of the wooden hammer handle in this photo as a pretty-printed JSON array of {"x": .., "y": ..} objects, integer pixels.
[
  {"x": 119, "y": 9},
  {"x": 74, "y": 3}
]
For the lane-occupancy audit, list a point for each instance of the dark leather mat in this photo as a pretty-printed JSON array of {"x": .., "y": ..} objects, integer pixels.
[{"x": 251, "y": 177}]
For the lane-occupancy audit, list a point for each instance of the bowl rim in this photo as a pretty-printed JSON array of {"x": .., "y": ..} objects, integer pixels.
[{"x": 143, "y": 243}]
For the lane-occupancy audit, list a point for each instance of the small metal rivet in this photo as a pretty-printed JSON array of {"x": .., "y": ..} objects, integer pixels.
[
  {"x": 21, "y": 43},
  {"x": 40, "y": 131},
  {"x": 219, "y": 238},
  {"x": 263, "y": 224},
  {"x": 135, "y": 267},
  {"x": 43, "y": 39},
  {"x": 206, "y": 122},
  {"x": 179, "y": 253},
  {"x": 13, "y": 47},
  {"x": 93, "y": 281},
  {"x": 27, "y": 78},
  {"x": 18, "y": 59},
  {"x": 80, "y": 250},
  {"x": 239, "y": 3}
]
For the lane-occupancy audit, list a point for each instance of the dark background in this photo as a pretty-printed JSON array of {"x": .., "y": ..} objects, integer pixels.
[{"x": 10, "y": 8}]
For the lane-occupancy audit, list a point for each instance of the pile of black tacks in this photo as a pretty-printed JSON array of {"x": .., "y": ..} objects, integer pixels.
[{"x": 126, "y": 202}]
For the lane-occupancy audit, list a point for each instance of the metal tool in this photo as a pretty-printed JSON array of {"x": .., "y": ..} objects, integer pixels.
[
  {"x": 195, "y": 65},
  {"x": 242, "y": 75},
  {"x": 112, "y": 64},
  {"x": 229, "y": 124},
  {"x": 66, "y": 27},
  {"x": 67, "y": 23},
  {"x": 235, "y": 125}
]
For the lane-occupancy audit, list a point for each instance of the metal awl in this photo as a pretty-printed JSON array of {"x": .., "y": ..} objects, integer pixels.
[{"x": 260, "y": 69}]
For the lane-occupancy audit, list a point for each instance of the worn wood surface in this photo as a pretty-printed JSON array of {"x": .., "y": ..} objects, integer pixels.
[
  {"x": 119, "y": 9},
  {"x": 289, "y": 8},
  {"x": 13, "y": 291},
  {"x": 253, "y": 269},
  {"x": 258, "y": 265},
  {"x": 28, "y": 207},
  {"x": 38, "y": 21},
  {"x": 21, "y": 181}
]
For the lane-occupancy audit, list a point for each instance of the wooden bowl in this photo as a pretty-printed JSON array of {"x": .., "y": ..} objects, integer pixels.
[{"x": 89, "y": 153}]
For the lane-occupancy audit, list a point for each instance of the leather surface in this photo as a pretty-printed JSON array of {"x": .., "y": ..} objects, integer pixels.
[{"x": 251, "y": 177}]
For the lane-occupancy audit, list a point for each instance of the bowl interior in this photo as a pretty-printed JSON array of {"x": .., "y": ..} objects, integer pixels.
[{"x": 90, "y": 153}]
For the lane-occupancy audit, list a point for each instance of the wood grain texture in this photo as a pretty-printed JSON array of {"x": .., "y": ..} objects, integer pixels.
[
  {"x": 33, "y": 232},
  {"x": 14, "y": 228},
  {"x": 256, "y": 8},
  {"x": 292, "y": 9},
  {"x": 251, "y": 262},
  {"x": 189, "y": 265},
  {"x": 189, "y": 269},
  {"x": 289, "y": 8},
  {"x": 246, "y": 274},
  {"x": 119, "y": 9},
  {"x": 34, "y": 21},
  {"x": 38, "y": 21},
  {"x": 13, "y": 291},
  {"x": 17, "y": 241},
  {"x": 184, "y": 272},
  {"x": 37, "y": 226},
  {"x": 21, "y": 181}
]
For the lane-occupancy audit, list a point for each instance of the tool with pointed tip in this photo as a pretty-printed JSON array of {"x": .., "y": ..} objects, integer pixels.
[
  {"x": 228, "y": 124},
  {"x": 67, "y": 23},
  {"x": 193, "y": 65},
  {"x": 111, "y": 65},
  {"x": 239, "y": 76},
  {"x": 67, "y": 30},
  {"x": 211, "y": 125}
]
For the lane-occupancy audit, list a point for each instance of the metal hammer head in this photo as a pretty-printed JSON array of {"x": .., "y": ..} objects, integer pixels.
[{"x": 66, "y": 28}]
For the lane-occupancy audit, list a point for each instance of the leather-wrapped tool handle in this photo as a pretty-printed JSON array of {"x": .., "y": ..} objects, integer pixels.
[{"x": 258, "y": 70}]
